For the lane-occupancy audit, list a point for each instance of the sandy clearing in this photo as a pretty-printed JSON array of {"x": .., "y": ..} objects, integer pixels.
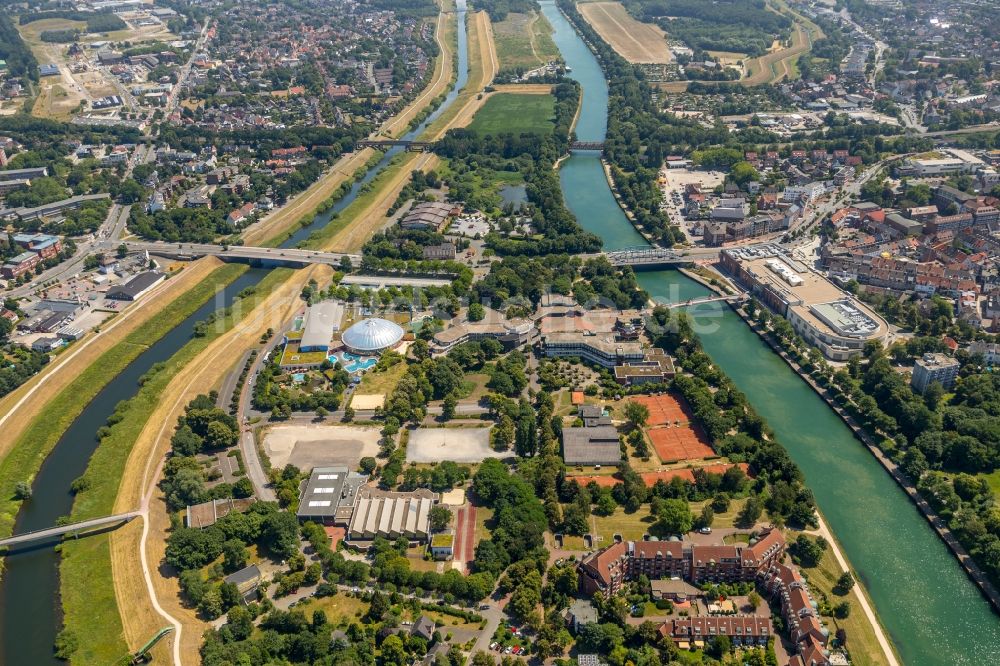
[
  {"x": 634, "y": 40},
  {"x": 303, "y": 446},
  {"x": 367, "y": 400},
  {"x": 19, "y": 408},
  {"x": 461, "y": 445}
]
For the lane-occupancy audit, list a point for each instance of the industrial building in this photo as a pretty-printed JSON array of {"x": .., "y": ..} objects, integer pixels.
[
  {"x": 391, "y": 515},
  {"x": 137, "y": 287},
  {"x": 819, "y": 311}
]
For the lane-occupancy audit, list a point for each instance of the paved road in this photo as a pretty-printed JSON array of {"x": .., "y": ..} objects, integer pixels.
[{"x": 230, "y": 381}]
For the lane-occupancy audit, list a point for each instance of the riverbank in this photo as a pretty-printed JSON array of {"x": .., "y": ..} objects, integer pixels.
[
  {"x": 939, "y": 526},
  {"x": 42, "y": 422},
  {"x": 135, "y": 582}
]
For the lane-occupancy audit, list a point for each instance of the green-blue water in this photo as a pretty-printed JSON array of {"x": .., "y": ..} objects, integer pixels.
[{"x": 933, "y": 613}]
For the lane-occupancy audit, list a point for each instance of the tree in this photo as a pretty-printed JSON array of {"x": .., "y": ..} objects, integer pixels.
[
  {"x": 322, "y": 412},
  {"x": 279, "y": 533},
  {"x": 844, "y": 583},
  {"x": 368, "y": 465},
  {"x": 22, "y": 490},
  {"x": 750, "y": 513},
  {"x": 707, "y": 516},
  {"x": 476, "y": 312},
  {"x": 234, "y": 555},
  {"x": 122, "y": 252},
  {"x": 448, "y": 407},
  {"x": 842, "y": 610},
  {"x": 220, "y": 436},
  {"x": 243, "y": 488},
  {"x": 753, "y": 599},
  {"x": 636, "y": 413},
  {"x": 720, "y": 646},
  {"x": 348, "y": 414},
  {"x": 440, "y": 517},
  {"x": 675, "y": 517},
  {"x": 806, "y": 551}
]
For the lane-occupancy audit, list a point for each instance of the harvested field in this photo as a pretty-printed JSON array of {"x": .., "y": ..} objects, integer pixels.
[
  {"x": 680, "y": 443},
  {"x": 635, "y": 41}
]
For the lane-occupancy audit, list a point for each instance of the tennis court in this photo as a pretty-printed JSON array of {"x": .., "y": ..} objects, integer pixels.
[
  {"x": 664, "y": 409},
  {"x": 680, "y": 443}
]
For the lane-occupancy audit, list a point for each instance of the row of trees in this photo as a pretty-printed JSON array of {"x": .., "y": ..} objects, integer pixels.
[{"x": 929, "y": 436}]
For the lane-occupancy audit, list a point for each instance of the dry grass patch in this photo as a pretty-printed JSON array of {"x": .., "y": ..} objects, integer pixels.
[{"x": 634, "y": 40}]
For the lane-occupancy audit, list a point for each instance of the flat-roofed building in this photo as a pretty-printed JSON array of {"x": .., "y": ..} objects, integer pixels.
[
  {"x": 137, "y": 287},
  {"x": 511, "y": 333},
  {"x": 322, "y": 319},
  {"x": 932, "y": 368},
  {"x": 602, "y": 350},
  {"x": 330, "y": 495},
  {"x": 823, "y": 314},
  {"x": 598, "y": 445}
]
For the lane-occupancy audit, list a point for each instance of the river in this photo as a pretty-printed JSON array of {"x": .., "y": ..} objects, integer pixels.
[
  {"x": 933, "y": 613},
  {"x": 30, "y": 611}
]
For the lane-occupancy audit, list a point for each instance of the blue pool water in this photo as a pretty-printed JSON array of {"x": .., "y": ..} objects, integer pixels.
[{"x": 354, "y": 363}]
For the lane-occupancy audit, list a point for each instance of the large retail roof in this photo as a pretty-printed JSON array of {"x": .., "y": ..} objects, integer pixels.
[{"x": 372, "y": 335}]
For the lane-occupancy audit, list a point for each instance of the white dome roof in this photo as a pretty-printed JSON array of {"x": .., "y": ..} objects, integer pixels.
[{"x": 371, "y": 335}]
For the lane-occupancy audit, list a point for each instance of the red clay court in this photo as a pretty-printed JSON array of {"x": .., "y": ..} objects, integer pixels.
[
  {"x": 664, "y": 409},
  {"x": 465, "y": 536},
  {"x": 680, "y": 443}
]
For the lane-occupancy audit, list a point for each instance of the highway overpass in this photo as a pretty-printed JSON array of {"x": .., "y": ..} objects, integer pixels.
[{"x": 262, "y": 256}]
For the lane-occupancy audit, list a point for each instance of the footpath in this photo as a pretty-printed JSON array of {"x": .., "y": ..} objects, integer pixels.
[{"x": 937, "y": 523}]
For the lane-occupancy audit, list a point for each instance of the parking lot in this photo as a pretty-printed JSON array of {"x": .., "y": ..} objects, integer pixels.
[{"x": 673, "y": 182}]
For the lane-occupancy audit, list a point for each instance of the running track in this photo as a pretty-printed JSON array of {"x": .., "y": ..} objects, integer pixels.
[{"x": 465, "y": 536}]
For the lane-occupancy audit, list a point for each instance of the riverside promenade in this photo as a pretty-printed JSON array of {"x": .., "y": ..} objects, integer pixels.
[{"x": 937, "y": 523}]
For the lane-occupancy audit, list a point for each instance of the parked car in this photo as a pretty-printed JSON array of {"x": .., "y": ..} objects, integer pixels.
[{"x": 704, "y": 530}]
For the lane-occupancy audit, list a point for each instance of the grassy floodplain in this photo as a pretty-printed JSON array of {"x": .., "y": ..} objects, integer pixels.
[
  {"x": 91, "y": 610},
  {"x": 33, "y": 446}
]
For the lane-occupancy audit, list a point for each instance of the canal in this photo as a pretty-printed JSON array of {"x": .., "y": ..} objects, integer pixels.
[
  {"x": 933, "y": 613},
  {"x": 30, "y": 610}
]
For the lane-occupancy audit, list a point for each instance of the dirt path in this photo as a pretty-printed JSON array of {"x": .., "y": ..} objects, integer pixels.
[
  {"x": 20, "y": 407},
  {"x": 862, "y": 597},
  {"x": 136, "y": 583}
]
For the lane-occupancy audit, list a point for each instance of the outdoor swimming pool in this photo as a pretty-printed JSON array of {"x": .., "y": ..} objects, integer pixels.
[{"x": 352, "y": 362}]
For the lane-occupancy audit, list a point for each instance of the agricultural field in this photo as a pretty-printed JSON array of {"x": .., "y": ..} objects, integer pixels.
[
  {"x": 634, "y": 40},
  {"x": 516, "y": 113},
  {"x": 524, "y": 41}
]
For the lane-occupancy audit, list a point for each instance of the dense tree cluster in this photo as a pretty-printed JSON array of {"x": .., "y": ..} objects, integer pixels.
[
  {"x": 271, "y": 392},
  {"x": 743, "y": 26},
  {"x": 202, "y": 428}
]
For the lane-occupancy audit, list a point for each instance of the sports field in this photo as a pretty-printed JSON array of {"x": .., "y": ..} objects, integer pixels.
[
  {"x": 524, "y": 40},
  {"x": 634, "y": 40},
  {"x": 664, "y": 409},
  {"x": 680, "y": 443},
  {"x": 515, "y": 112}
]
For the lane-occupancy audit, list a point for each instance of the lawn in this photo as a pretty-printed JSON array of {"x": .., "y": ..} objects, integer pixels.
[
  {"x": 632, "y": 526},
  {"x": 383, "y": 382},
  {"x": 524, "y": 40},
  {"x": 338, "y": 608},
  {"x": 993, "y": 479},
  {"x": 861, "y": 642},
  {"x": 516, "y": 113},
  {"x": 727, "y": 519}
]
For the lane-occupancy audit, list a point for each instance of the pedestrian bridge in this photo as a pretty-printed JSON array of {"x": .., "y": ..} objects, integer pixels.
[{"x": 60, "y": 530}]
